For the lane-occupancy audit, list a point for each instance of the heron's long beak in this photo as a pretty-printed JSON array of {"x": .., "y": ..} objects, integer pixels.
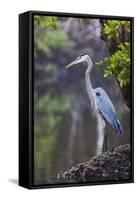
[{"x": 71, "y": 64}]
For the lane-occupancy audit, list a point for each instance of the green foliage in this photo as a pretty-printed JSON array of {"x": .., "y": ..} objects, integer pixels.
[
  {"x": 112, "y": 27},
  {"x": 45, "y": 21},
  {"x": 119, "y": 63},
  {"x": 48, "y": 41},
  {"x": 49, "y": 35}
]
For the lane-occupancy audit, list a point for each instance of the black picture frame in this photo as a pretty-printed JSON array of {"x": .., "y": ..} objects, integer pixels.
[{"x": 26, "y": 104}]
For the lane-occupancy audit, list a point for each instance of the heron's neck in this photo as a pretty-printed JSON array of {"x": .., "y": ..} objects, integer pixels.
[
  {"x": 90, "y": 66},
  {"x": 88, "y": 82},
  {"x": 87, "y": 77}
]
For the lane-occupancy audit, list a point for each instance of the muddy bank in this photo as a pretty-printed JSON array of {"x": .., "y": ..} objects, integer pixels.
[{"x": 111, "y": 165}]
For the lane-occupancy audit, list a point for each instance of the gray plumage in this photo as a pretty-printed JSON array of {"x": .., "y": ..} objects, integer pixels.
[
  {"x": 98, "y": 97},
  {"x": 106, "y": 109}
]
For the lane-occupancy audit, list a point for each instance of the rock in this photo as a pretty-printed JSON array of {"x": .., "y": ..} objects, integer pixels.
[{"x": 111, "y": 165}]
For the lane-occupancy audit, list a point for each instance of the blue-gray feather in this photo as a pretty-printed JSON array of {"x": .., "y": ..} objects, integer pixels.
[{"x": 106, "y": 108}]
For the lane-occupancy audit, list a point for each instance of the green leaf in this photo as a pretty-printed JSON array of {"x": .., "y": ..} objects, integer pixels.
[{"x": 119, "y": 64}]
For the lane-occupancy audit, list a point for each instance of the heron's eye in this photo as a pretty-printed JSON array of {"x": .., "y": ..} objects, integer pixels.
[
  {"x": 97, "y": 94},
  {"x": 82, "y": 54}
]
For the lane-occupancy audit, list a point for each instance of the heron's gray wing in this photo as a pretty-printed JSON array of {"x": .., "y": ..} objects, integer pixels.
[{"x": 105, "y": 106}]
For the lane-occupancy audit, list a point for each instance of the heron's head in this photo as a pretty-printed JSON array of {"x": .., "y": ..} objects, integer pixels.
[{"x": 81, "y": 58}]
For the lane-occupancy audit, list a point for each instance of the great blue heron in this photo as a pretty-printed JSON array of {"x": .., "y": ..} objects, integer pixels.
[{"x": 100, "y": 101}]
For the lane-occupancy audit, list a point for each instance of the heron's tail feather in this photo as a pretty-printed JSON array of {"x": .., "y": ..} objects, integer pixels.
[{"x": 118, "y": 127}]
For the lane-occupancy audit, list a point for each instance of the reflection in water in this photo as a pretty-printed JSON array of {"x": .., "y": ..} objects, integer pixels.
[
  {"x": 73, "y": 141},
  {"x": 74, "y": 125}
]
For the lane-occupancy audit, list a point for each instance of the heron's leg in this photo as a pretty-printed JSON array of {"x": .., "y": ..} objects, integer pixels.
[
  {"x": 100, "y": 133},
  {"x": 105, "y": 142}
]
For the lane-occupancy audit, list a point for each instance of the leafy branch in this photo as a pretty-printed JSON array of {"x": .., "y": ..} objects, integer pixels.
[{"x": 118, "y": 64}]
